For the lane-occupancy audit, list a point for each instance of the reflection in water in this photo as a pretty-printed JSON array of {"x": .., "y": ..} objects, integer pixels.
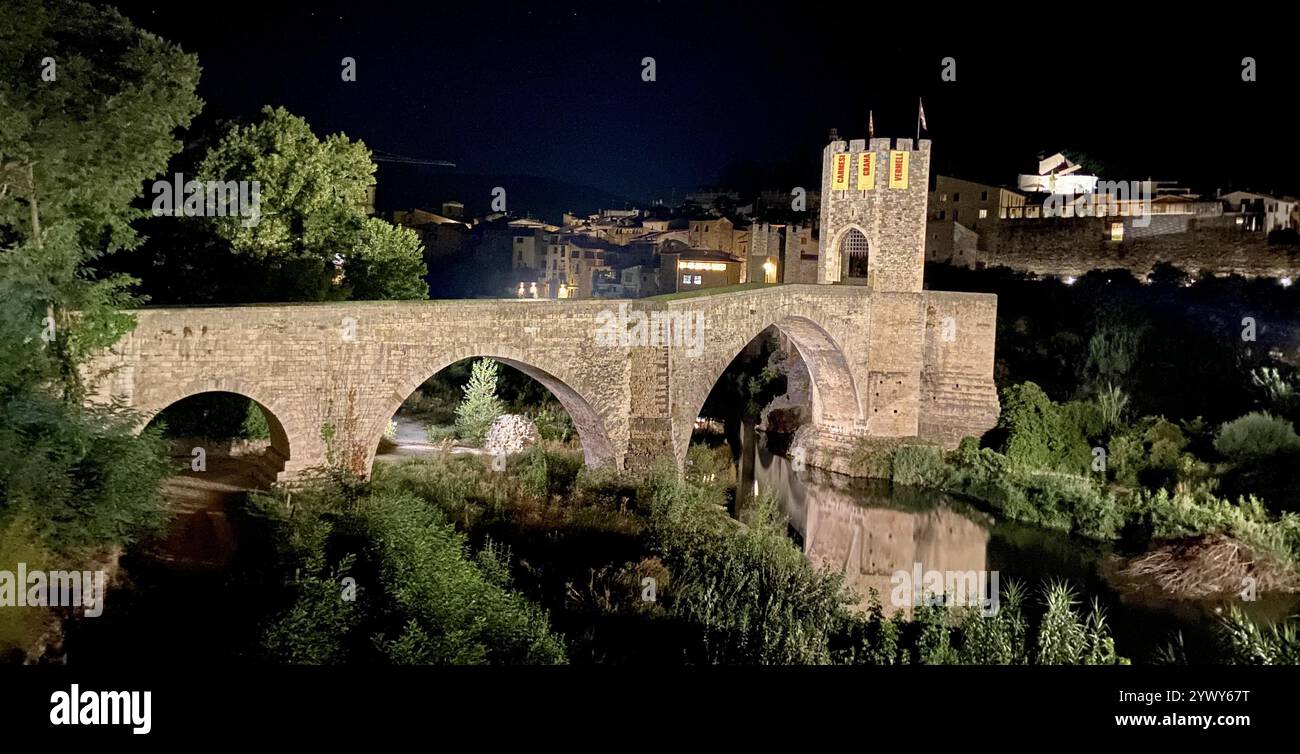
[
  {"x": 841, "y": 528},
  {"x": 869, "y": 529}
]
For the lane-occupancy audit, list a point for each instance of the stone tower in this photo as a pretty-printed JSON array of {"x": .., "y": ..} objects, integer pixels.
[{"x": 873, "y": 205}]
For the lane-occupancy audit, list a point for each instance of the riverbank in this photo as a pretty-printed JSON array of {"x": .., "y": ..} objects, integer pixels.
[{"x": 614, "y": 568}]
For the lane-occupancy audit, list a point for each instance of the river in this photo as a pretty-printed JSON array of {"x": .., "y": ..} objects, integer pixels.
[{"x": 869, "y": 530}]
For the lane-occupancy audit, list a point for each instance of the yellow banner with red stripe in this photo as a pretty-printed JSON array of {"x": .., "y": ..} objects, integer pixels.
[
  {"x": 898, "y": 168},
  {"x": 840, "y": 172},
  {"x": 866, "y": 171}
]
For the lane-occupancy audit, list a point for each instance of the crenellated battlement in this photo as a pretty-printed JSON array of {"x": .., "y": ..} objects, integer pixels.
[{"x": 879, "y": 145}]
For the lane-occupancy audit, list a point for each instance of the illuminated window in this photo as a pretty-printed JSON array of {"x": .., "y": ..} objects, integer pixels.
[
  {"x": 697, "y": 280},
  {"x": 984, "y": 213},
  {"x": 686, "y": 279},
  {"x": 1117, "y": 231}
]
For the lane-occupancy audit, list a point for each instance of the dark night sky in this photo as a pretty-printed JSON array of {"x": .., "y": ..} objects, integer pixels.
[{"x": 555, "y": 90}]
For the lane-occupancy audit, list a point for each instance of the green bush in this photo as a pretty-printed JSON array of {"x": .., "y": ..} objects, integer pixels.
[
  {"x": 1165, "y": 442},
  {"x": 919, "y": 466},
  {"x": 1051, "y": 499},
  {"x": 1075, "y": 504},
  {"x": 553, "y": 423},
  {"x": 453, "y": 612},
  {"x": 750, "y": 591},
  {"x": 963, "y": 635},
  {"x": 428, "y": 600},
  {"x": 1256, "y": 436},
  {"x": 1112, "y": 405},
  {"x": 707, "y": 465},
  {"x": 1149, "y": 454},
  {"x": 1126, "y": 457},
  {"x": 80, "y": 476},
  {"x": 1087, "y": 417},
  {"x": 1061, "y": 635},
  {"x": 1038, "y": 434},
  {"x": 313, "y": 630},
  {"x": 997, "y": 639},
  {"x": 547, "y": 474}
]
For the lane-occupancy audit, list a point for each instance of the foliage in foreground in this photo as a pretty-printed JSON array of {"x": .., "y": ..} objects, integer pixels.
[
  {"x": 936, "y": 635},
  {"x": 733, "y": 593},
  {"x": 1245, "y": 642},
  {"x": 745, "y": 592},
  {"x": 75, "y": 482},
  {"x": 420, "y": 596}
]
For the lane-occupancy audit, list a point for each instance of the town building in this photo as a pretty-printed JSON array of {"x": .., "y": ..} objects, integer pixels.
[
  {"x": 966, "y": 201},
  {"x": 571, "y": 263},
  {"x": 1262, "y": 212},
  {"x": 695, "y": 269}
]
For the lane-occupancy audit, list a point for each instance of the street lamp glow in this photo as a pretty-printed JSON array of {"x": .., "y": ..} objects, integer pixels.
[
  {"x": 1286, "y": 282},
  {"x": 1068, "y": 280}
]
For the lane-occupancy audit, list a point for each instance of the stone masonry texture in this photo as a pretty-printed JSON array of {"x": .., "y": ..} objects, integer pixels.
[{"x": 886, "y": 359}]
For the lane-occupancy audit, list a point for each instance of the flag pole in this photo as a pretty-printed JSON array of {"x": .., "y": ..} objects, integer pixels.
[{"x": 918, "y": 120}]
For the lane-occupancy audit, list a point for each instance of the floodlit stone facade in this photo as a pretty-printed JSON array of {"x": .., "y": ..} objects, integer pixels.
[{"x": 886, "y": 359}]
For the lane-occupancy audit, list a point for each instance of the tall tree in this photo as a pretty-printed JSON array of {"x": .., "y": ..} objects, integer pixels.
[
  {"x": 89, "y": 105},
  {"x": 311, "y": 233}
]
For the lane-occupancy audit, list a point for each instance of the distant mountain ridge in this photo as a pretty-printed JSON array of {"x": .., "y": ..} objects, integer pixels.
[{"x": 407, "y": 186}]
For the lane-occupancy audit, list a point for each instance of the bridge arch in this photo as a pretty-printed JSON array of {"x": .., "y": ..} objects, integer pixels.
[
  {"x": 835, "y": 395},
  {"x": 597, "y": 447},
  {"x": 283, "y": 439}
]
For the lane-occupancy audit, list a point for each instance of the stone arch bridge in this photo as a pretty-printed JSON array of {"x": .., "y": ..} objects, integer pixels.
[{"x": 331, "y": 375}]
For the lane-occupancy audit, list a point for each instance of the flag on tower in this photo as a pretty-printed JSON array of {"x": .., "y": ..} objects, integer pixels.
[
  {"x": 920, "y": 113},
  {"x": 871, "y": 125}
]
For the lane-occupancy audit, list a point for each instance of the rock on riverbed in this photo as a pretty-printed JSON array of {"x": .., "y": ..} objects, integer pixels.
[{"x": 510, "y": 433}]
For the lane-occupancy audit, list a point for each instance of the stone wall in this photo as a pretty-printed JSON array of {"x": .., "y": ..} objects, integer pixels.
[
  {"x": 1073, "y": 246},
  {"x": 331, "y": 375}
]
